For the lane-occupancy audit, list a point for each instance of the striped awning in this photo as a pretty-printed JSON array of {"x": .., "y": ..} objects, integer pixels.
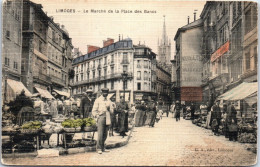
[
  {"x": 62, "y": 93},
  {"x": 44, "y": 93},
  {"x": 240, "y": 92}
]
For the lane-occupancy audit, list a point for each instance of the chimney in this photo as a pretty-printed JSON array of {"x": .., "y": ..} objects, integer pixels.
[
  {"x": 188, "y": 19},
  {"x": 195, "y": 14},
  {"x": 119, "y": 37}
]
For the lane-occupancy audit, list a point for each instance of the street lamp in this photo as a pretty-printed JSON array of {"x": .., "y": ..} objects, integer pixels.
[{"x": 124, "y": 78}]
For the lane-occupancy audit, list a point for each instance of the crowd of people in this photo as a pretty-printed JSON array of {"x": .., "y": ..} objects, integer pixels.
[{"x": 215, "y": 114}]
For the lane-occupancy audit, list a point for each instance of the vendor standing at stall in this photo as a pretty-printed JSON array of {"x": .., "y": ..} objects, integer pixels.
[
  {"x": 67, "y": 105},
  {"x": 232, "y": 122},
  {"x": 86, "y": 104},
  {"x": 215, "y": 118},
  {"x": 101, "y": 112},
  {"x": 122, "y": 109}
]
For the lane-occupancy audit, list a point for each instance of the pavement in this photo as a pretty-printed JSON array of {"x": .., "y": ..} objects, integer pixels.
[{"x": 169, "y": 143}]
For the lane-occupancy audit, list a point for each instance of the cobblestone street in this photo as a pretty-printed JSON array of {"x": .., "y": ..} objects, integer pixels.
[{"x": 168, "y": 143}]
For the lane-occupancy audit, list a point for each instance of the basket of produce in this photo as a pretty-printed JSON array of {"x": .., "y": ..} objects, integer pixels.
[
  {"x": 71, "y": 125},
  {"x": 51, "y": 127},
  {"x": 31, "y": 127},
  {"x": 89, "y": 125}
]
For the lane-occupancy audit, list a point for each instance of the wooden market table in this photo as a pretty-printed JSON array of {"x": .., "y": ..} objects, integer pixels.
[{"x": 64, "y": 133}]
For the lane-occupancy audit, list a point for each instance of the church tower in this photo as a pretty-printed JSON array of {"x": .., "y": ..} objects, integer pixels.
[{"x": 164, "y": 47}]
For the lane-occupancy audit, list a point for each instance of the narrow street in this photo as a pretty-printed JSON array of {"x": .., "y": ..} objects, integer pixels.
[{"x": 168, "y": 143}]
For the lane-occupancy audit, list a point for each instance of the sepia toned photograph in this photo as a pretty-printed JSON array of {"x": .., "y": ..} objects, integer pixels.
[{"x": 129, "y": 83}]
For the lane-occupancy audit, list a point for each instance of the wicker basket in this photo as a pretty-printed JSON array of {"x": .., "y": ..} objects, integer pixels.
[
  {"x": 70, "y": 130},
  {"x": 30, "y": 131},
  {"x": 90, "y": 128}
]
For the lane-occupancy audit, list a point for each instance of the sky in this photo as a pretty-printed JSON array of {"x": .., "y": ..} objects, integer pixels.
[{"x": 88, "y": 27}]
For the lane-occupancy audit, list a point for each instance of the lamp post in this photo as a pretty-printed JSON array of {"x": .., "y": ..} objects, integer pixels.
[{"x": 124, "y": 78}]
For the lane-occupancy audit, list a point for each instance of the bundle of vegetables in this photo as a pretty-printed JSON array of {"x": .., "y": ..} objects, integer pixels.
[
  {"x": 51, "y": 127},
  {"x": 32, "y": 125},
  {"x": 89, "y": 122},
  {"x": 247, "y": 138},
  {"x": 68, "y": 123}
]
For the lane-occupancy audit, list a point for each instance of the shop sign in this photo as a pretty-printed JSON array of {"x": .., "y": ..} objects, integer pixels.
[
  {"x": 189, "y": 94},
  {"x": 138, "y": 97},
  {"x": 222, "y": 50}
]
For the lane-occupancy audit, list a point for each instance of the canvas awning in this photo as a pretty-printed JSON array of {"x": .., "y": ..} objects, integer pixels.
[
  {"x": 44, "y": 93},
  {"x": 14, "y": 88},
  {"x": 62, "y": 93},
  {"x": 241, "y": 91}
]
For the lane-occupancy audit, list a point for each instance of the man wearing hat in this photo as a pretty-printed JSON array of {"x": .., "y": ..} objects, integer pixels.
[
  {"x": 86, "y": 104},
  {"x": 101, "y": 112}
]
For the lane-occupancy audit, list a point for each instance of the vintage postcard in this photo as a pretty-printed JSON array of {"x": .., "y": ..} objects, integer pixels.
[{"x": 129, "y": 83}]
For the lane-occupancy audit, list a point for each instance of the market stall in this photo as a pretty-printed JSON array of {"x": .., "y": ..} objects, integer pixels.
[{"x": 244, "y": 96}]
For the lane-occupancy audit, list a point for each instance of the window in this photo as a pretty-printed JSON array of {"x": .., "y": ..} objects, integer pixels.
[
  {"x": 145, "y": 86},
  {"x": 125, "y": 84},
  {"x": 112, "y": 58},
  {"x": 125, "y": 68},
  {"x": 105, "y": 84},
  {"x": 250, "y": 18},
  {"x": 93, "y": 74},
  {"x": 99, "y": 73},
  {"x": 81, "y": 77},
  {"x": 112, "y": 85},
  {"x": 138, "y": 86},
  {"x": 112, "y": 70},
  {"x": 125, "y": 59},
  {"x": 145, "y": 76},
  {"x": 236, "y": 38},
  {"x": 88, "y": 75},
  {"x": 138, "y": 63},
  {"x": 247, "y": 59},
  {"x": 145, "y": 63},
  {"x": 15, "y": 65},
  {"x": 138, "y": 75},
  {"x": 41, "y": 47},
  {"x": 105, "y": 72},
  {"x": 7, "y": 60},
  {"x": 105, "y": 60},
  {"x": 77, "y": 78},
  {"x": 255, "y": 57},
  {"x": 81, "y": 67}
]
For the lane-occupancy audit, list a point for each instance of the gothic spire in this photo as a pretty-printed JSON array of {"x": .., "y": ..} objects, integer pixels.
[{"x": 164, "y": 36}]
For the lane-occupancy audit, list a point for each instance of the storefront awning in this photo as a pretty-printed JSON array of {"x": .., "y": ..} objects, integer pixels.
[
  {"x": 14, "y": 88},
  {"x": 44, "y": 93},
  {"x": 241, "y": 91},
  {"x": 62, "y": 93}
]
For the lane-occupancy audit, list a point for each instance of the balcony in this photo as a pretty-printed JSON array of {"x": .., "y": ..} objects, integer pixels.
[
  {"x": 42, "y": 77},
  {"x": 57, "y": 80}
]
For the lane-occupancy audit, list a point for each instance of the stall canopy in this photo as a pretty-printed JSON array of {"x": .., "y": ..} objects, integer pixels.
[
  {"x": 14, "y": 88},
  {"x": 44, "y": 93},
  {"x": 62, "y": 93},
  {"x": 241, "y": 91}
]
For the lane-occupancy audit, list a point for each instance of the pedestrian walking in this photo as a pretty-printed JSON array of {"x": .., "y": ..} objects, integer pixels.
[
  {"x": 153, "y": 112},
  {"x": 177, "y": 111},
  {"x": 192, "y": 110},
  {"x": 215, "y": 118},
  {"x": 101, "y": 113},
  {"x": 232, "y": 122}
]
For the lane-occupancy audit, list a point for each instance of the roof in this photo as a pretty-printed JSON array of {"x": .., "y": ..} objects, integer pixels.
[
  {"x": 104, "y": 50},
  {"x": 241, "y": 91},
  {"x": 192, "y": 25}
]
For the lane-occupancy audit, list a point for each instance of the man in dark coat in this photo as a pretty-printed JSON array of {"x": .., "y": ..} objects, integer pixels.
[
  {"x": 86, "y": 104},
  {"x": 215, "y": 117},
  {"x": 192, "y": 110},
  {"x": 177, "y": 110},
  {"x": 122, "y": 109},
  {"x": 232, "y": 122}
]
